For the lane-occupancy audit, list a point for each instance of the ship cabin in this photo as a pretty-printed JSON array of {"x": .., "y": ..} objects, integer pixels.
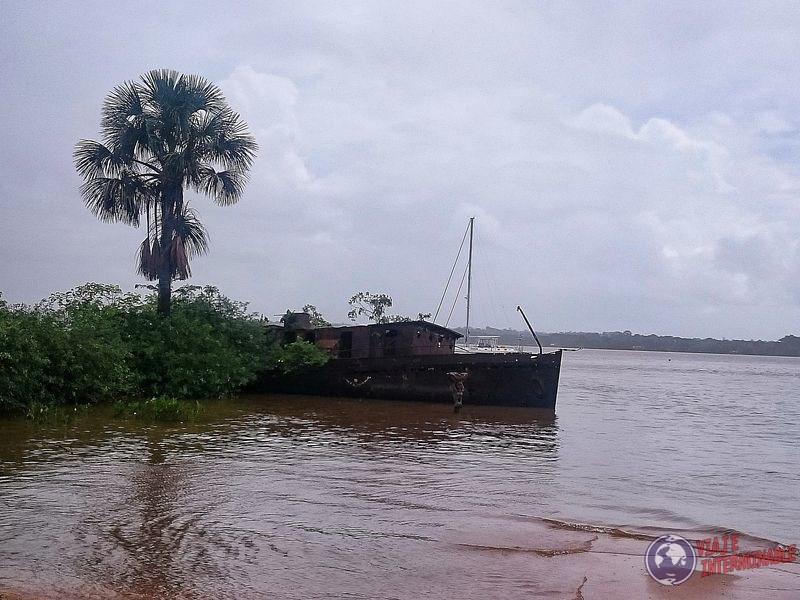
[{"x": 381, "y": 340}]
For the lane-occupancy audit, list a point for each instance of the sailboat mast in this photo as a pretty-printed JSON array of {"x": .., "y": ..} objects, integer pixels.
[{"x": 469, "y": 276}]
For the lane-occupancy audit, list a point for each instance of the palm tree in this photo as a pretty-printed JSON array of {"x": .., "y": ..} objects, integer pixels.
[{"x": 161, "y": 135}]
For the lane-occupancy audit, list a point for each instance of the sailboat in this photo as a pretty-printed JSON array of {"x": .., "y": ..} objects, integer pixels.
[
  {"x": 417, "y": 360},
  {"x": 478, "y": 343}
]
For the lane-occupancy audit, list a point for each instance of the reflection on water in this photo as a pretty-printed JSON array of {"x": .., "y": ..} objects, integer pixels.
[
  {"x": 297, "y": 497},
  {"x": 146, "y": 528},
  {"x": 266, "y": 493}
]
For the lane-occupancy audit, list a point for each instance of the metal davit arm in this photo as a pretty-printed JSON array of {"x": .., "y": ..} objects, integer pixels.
[{"x": 528, "y": 323}]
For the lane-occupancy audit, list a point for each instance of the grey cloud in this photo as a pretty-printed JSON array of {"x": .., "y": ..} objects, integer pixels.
[{"x": 630, "y": 166}]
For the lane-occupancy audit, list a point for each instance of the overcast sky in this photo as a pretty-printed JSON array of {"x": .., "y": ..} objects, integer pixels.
[{"x": 630, "y": 165}]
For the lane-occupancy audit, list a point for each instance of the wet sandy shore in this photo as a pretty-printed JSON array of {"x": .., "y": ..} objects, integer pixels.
[
  {"x": 549, "y": 559},
  {"x": 595, "y": 562}
]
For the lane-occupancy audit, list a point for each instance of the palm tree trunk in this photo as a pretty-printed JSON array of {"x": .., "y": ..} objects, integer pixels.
[
  {"x": 164, "y": 273},
  {"x": 170, "y": 199}
]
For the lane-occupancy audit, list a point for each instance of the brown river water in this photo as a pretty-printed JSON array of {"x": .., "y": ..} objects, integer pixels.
[{"x": 299, "y": 497}]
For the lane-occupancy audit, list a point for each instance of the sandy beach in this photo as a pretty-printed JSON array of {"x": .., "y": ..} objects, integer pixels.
[{"x": 550, "y": 559}]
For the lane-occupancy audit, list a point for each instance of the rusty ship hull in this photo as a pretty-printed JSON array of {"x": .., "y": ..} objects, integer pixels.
[{"x": 510, "y": 379}]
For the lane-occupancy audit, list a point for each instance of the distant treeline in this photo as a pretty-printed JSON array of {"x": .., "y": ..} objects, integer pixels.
[{"x": 625, "y": 340}]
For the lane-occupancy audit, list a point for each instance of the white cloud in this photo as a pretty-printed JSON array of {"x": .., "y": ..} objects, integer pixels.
[
  {"x": 267, "y": 103},
  {"x": 602, "y": 118}
]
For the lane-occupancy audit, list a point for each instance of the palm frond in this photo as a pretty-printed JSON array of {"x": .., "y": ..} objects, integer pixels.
[
  {"x": 175, "y": 101},
  {"x": 116, "y": 198},
  {"x": 179, "y": 259},
  {"x": 93, "y": 159},
  {"x": 158, "y": 90},
  {"x": 193, "y": 166},
  {"x": 156, "y": 257},
  {"x": 223, "y": 138},
  {"x": 192, "y": 232},
  {"x": 147, "y": 260},
  {"x": 158, "y": 86},
  {"x": 206, "y": 95},
  {"x": 124, "y": 121},
  {"x": 225, "y": 187},
  {"x": 120, "y": 105}
]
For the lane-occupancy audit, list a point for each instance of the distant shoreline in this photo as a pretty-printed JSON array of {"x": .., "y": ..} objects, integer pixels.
[{"x": 788, "y": 345}]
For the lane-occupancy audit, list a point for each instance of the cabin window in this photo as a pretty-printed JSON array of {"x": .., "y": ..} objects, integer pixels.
[
  {"x": 310, "y": 336},
  {"x": 346, "y": 344}
]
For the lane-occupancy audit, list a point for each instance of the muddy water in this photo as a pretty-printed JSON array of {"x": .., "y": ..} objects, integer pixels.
[{"x": 296, "y": 497}]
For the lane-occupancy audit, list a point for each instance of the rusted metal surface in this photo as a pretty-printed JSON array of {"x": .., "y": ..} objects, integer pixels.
[
  {"x": 410, "y": 338},
  {"x": 520, "y": 379}
]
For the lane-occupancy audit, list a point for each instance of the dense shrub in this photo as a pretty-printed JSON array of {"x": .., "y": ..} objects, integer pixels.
[
  {"x": 31, "y": 346},
  {"x": 98, "y": 343},
  {"x": 208, "y": 346},
  {"x": 294, "y": 355}
]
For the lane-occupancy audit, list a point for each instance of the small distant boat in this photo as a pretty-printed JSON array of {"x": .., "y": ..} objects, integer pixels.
[
  {"x": 419, "y": 360},
  {"x": 484, "y": 344}
]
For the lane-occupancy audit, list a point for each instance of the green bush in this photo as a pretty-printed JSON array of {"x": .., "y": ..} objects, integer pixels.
[
  {"x": 27, "y": 342},
  {"x": 292, "y": 356},
  {"x": 98, "y": 343},
  {"x": 209, "y": 346}
]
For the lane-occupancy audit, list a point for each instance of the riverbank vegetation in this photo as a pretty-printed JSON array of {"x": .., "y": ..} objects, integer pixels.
[
  {"x": 788, "y": 345},
  {"x": 159, "y": 408},
  {"x": 97, "y": 343}
]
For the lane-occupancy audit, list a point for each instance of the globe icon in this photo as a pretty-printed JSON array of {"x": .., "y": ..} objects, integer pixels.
[
  {"x": 672, "y": 552},
  {"x": 670, "y": 559}
]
